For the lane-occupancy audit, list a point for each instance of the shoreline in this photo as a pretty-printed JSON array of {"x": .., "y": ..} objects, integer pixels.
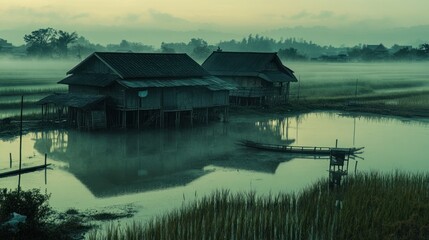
[{"x": 11, "y": 129}]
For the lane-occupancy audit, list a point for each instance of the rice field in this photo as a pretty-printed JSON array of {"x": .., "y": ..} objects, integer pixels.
[
  {"x": 37, "y": 79},
  {"x": 31, "y": 79},
  {"x": 368, "y": 206},
  {"x": 318, "y": 79}
]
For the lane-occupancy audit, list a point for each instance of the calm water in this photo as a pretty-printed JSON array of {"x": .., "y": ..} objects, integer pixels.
[{"x": 154, "y": 171}]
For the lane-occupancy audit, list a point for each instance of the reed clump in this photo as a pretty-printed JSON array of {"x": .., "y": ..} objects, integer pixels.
[{"x": 368, "y": 206}]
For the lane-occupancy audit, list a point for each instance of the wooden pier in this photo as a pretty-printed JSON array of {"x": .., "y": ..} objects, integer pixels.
[
  {"x": 297, "y": 149},
  {"x": 338, "y": 166}
]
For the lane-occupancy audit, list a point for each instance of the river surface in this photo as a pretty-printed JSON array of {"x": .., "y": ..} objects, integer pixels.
[{"x": 153, "y": 171}]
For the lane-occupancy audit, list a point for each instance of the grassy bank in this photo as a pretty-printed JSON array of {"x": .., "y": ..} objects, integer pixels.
[
  {"x": 405, "y": 104},
  {"x": 370, "y": 206}
]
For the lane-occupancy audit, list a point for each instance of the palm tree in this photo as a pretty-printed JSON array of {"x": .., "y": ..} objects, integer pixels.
[{"x": 64, "y": 39}]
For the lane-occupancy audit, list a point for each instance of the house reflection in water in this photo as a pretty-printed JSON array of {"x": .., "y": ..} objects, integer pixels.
[{"x": 114, "y": 163}]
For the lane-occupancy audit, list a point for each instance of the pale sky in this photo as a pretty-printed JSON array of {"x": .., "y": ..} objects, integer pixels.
[{"x": 240, "y": 17}]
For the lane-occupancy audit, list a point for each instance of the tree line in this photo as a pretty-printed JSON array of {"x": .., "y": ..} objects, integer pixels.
[{"x": 52, "y": 43}]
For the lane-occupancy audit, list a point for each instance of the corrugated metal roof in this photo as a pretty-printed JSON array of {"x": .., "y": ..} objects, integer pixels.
[
  {"x": 276, "y": 77},
  {"x": 93, "y": 79},
  {"x": 221, "y": 63},
  {"x": 209, "y": 82},
  {"x": 130, "y": 65},
  {"x": 237, "y": 61},
  {"x": 72, "y": 100}
]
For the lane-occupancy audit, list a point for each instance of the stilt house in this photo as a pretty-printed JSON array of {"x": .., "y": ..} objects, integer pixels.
[
  {"x": 261, "y": 77},
  {"x": 138, "y": 90}
]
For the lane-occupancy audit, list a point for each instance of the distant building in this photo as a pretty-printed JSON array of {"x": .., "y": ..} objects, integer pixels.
[
  {"x": 395, "y": 48},
  {"x": 375, "y": 52},
  {"x": 261, "y": 77},
  {"x": 112, "y": 89}
]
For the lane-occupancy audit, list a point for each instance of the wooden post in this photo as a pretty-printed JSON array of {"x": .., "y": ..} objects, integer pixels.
[
  {"x": 161, "y": 122},
  {"x": 356, "y": 167},
  {"x": 42, "y": 113},
  {"x": 124, "y": 113},
  {"x": 336, "y": 143},
  {"x": 356, "y": 88},
  {"x": 192, "y": 118},
  {"x": 20, "y": 144},
  {"x": 177, "y": 119},
  {"x": 124, "y": 119},
  {"x": 10, "y": 160},
  {"x": 138, "y": 115},
  {"x": 46, "y": 167}
]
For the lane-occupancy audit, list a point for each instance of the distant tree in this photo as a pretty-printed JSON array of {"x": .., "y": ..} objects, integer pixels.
[
  {"x": 82, "y": 47},
  {"x": 425, "y": 47},
  {"x": 166, "y": 48},
  {"x": 200, "y": 48},
  {"x": 4, "y": 43},
  {"x": 291, "y": 54},
  {"x": 64, "y": 39},
  {"x": 126, "y": 46},
  {"x": 41, "y": 42},
  {"x": 403, "y": 53},
  {"x": 355, "y": 52}
]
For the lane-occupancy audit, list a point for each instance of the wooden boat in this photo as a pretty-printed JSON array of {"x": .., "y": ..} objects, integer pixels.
[
  {"x": 24, "y": 170},
  {"x": 298, "y": 149}
]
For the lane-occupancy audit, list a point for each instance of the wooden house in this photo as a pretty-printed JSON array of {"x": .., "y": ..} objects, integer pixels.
[
  {"x": 375, "y": 52},
  {"x": 137, "y": 90},
  {"x": 261, "y": 77}
]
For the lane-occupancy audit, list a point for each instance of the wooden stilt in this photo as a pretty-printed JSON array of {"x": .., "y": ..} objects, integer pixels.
[
  {"x": 177, "y": 119},
  {"x": 138, "y": 117},
  {"x": 161, "y": 122},
  {"x": 192, "y": 118},
  {"x": 46, "y": 173},
  {"x": 20, "y": 145}
]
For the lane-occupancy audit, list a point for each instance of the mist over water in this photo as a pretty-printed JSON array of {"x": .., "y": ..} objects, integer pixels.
[{"x": 156, "y": 170}]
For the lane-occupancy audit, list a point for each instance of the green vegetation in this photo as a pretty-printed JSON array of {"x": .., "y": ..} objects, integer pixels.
[
  {"x": 46, "y": 42},
  {"x": 387, "y": 97},
  {"x": 41, "y": 222},
  {"x": 52, "y": 43},
  {"x": 368, "y": 206}
]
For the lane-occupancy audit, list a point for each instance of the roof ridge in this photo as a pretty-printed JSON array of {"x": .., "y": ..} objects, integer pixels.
[
  {"x": 244, "y": 52},
  {"x": 145, "y": 53}
]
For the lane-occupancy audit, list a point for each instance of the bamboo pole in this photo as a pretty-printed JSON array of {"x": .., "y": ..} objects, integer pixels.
[
  {"x": 46, "y": 167},
  {"x": 20, "y": 144}
]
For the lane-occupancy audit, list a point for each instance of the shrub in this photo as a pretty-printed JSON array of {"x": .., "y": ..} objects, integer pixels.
[{"x": 31, "y": 203}]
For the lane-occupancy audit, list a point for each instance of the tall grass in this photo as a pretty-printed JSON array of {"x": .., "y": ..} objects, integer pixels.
[
  {"x": 346, "y": 88},
  {"x": 370, "y": 206}
]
